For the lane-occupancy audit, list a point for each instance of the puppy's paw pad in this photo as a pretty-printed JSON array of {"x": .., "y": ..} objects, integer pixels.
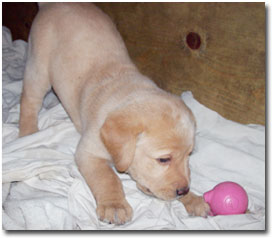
[{"x": 114, "y": 212}]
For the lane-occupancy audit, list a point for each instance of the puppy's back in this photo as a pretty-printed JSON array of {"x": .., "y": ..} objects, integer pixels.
[
  {"x": 81, "y": 24},
  {"x": 74, "y": 42}
]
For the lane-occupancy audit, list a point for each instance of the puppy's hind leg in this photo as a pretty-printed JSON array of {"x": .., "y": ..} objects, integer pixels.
[{"x": 35, "y": 86}]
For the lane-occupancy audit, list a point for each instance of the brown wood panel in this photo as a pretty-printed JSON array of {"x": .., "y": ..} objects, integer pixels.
[{"x": 227, "y": 71}]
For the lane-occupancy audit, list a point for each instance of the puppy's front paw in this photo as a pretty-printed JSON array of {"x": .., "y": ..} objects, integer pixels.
[
  {"x": 114, "y": 212},
  {"x": 197, "y": 207}
]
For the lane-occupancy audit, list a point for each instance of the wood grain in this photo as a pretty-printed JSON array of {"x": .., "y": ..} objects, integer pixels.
[{"x": 227, "y": 72}]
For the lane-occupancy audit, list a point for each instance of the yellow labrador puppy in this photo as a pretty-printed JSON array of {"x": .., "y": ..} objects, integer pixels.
[{"x": 122, "y": 116}]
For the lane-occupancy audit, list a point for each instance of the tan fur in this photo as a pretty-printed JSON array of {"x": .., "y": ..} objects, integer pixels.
[{"x": 122, "y": 116}]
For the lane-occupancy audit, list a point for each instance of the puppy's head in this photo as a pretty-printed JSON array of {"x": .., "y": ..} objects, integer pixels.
[{"x": 152, "y": 142}]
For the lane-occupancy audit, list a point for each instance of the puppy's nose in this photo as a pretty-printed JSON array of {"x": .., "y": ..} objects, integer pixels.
[{"x": 182, "y": 191}]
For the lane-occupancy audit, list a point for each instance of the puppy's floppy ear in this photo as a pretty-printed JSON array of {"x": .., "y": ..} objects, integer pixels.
[{"x": 119, "y": 134}]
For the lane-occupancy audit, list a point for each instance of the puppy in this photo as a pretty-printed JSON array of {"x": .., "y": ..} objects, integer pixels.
[{"x": 122, "y": 116}]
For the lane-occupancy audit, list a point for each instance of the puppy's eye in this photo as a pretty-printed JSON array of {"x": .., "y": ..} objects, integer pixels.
[{"x": 164, "y": 160}]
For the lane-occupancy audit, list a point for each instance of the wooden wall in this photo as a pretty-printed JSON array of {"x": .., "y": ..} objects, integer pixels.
[{"x": 215, "y": 50}]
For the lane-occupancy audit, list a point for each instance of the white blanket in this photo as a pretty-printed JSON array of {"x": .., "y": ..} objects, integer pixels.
[{"x": 42, "y": 188}]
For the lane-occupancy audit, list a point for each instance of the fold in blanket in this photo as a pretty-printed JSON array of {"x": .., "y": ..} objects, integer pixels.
[{"x": 42, "y": 188}]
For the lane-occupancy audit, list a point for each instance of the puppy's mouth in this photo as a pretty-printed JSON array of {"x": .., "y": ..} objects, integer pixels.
[
  {"x": 144, "y": 189},
  {"x": 164, "y": 194}
]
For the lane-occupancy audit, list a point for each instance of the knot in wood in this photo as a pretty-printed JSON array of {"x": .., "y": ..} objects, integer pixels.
[{"x": 193, "y": 40}]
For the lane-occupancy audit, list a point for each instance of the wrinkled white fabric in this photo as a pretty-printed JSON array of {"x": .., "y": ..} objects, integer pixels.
[{"x": 42, "y": 188}]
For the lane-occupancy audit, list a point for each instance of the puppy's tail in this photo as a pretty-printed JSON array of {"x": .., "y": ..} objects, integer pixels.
[{"x": 41, "y": 4}]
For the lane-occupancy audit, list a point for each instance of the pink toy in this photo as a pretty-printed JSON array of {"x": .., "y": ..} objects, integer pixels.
[{"x": 226, "y": 198}]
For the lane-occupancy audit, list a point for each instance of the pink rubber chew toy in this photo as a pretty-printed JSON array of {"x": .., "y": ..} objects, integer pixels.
[{"x": 226, "y": 198}]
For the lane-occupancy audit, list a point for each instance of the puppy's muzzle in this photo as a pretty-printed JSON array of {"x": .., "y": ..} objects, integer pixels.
[{"x": 182, "y": 191}]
